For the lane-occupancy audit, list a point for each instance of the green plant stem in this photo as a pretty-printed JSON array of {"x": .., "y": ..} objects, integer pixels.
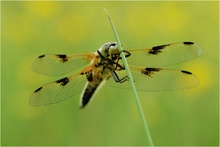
[{"x": 148, "y": 136}]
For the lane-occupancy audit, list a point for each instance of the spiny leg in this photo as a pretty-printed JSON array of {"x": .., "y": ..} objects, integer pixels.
[
  {"x": 127, "y": 55},
  {"x": 117, "y": 79}
]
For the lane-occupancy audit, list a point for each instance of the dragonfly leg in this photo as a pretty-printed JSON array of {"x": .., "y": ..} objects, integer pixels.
[
  {"x": 117, "y": 79},
  {"x": 126, "y": 55},
  {"x": 100, "y": 54},
  {"x": 108, "y": 63},
  {"x": 114, "y": 57}
]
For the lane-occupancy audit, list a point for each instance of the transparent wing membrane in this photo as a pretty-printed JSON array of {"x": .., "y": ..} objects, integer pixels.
[
  {"x": 58, "y": 90},
  {"x": 59, "y": 64},
  {"x": 156, "y": 79},
  {"x": 164, "y": 54}
]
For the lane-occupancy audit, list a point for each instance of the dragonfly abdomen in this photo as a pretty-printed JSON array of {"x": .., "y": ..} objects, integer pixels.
[{"x": 90, "y": 89}]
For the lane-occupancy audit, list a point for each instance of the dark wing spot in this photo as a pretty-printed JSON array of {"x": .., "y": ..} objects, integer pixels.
[
  {"x": 186, "y": 72},
  {"x": 157, "y": 49},
  {"x": 188, "y": 43},
  {"x": 150, "y": 71},
  {"x": 38, "y": 89},
  {"x": 63, "y": 81},
  {"x": 41, "y": 56},
  {"x": 63, "y": 58}
]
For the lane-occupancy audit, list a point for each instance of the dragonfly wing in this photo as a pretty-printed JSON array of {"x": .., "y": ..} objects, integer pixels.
[
  {"x": 58, "y": 90},
  {"x": 59, "y": 64},
  {"x": 164, "y": 54},
  {"x": 155, "y": 79}
]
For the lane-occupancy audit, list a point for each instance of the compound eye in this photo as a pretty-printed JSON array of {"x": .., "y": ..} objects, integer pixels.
[
  {"x": 106, "y": 47},
  {"x": 113, "y": 46}
]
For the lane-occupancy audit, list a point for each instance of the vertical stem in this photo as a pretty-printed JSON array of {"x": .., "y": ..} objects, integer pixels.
[{"x": 148, "y": 136}]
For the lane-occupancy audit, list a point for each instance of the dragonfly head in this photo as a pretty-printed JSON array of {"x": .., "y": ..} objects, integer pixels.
[{"x": 108, "y": 47}]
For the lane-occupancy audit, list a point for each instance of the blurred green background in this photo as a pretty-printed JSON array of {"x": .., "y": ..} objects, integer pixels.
[{"x": 183, "y": 117}]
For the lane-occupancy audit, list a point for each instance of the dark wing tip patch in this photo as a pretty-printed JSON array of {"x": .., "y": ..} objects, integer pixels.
[
  {"x": 41, "y": 56},
  {"x": 186, "y": 72},
  {"x": 38, "y": 89},
  {"x": 188, "y": 43},
  {"x": 63, "y": 81}
]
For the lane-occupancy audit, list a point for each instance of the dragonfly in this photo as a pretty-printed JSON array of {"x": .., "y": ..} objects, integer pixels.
[{"x": 146, "y": 65}]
